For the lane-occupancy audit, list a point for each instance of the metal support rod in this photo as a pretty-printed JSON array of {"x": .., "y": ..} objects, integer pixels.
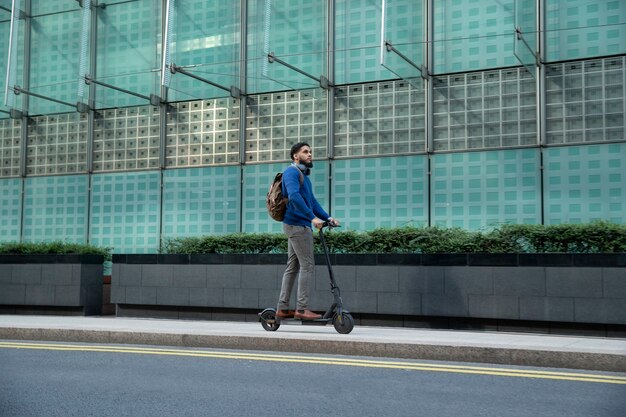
[
  {"x": 5, "y": 9},
  {"x": 520, "y": 37},
  {"x": 18, "y": 90},
  {"x": 89, "y": 80},
  {"x": 391, "y": 48},
  {"x": 235, "y": 92},
  {"x": 271, "y": 58}
]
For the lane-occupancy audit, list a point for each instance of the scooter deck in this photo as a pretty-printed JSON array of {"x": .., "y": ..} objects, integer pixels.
[{"x": 319, "y": 322}]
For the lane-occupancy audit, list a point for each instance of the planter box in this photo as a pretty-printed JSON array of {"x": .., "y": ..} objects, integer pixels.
[
  {"x": 563, "y": 288},
  {"x": 56, "y": 283}
]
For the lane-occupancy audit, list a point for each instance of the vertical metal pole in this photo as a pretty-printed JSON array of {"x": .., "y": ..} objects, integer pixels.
[
  {"x": 25, "y": 106},
  {"x": 91, "y": 116},
  {"x": 383, "y": 7},
  {"x": 330, "y": 105},
  {"x": 330, "y": 74},
  {"x": 243, "y": 86},
  {"x": 429, "y": 102},
  {"x": 166, "y": 28},
  {"x": 12, "y": 54},
  {"x": 541, "y": 97}
]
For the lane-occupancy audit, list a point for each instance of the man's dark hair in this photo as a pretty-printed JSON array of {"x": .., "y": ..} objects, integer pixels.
[{"x": 296, "y": 148}]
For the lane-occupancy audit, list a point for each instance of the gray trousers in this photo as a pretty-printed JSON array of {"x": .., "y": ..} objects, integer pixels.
[{"x": 300, "y": 263}]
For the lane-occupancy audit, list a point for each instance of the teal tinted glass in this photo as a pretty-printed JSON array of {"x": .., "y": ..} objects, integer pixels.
[
  {"x": 295, "y": 31},
  {"x": 201, "y": 201},
  {"x": 471, "y": 35},
  {"x": 126, "y": 211},
  {"x": 403, "y": 33},
  {"x": 358, "y": 26},
  {"x": 486, "y": 189},
  {"x": 13, "y": 41},
  {"x": 204, "y": 40},
  {"x": 129, "y": 51},
  {"x": 55, "y": 208},
  {"x": 584, "y": 28},
  {"x": 5, "y": 26},
  {"x": 10, "y": 209},
  {"x": 585, "y": 183},
  {"x": 54, "y": 56}
]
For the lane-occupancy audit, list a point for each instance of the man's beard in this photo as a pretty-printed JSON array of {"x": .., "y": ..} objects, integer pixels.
[{"x": 308, "y": 164}]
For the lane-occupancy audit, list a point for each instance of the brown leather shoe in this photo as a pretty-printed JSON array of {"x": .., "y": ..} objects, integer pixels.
[
  {"x": 307, "y": 315},
  {"x": 285, "y": 314}
]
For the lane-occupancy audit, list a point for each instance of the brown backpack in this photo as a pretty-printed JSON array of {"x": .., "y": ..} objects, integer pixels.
[{"x": 275, "y": 201}]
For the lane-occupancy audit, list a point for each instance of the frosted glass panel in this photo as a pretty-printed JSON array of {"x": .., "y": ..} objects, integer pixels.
[
  {"x": 380, "y": 192},
  {"x": 295, "y": 30},
  {"x": 584, "y": 28},
  {"x": 205, "y": 41},
  {"x": 55, "y": 208},
  {"x": 201, "y": 201},
  {"x": 585, "y": 183},
  {"x": 10, "y": 209},
  {"x": 125, "y": 211},
  {"x": 486, "y": 189},
  {"x": 471, "y": 35},
  {"x": 129, "y": 52}
]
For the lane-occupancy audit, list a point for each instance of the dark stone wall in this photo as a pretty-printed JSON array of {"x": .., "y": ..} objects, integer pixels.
[{"x": 570, "y": 288}]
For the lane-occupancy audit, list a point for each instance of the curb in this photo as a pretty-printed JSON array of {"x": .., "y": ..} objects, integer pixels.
[{"x": 502, "y": 356}]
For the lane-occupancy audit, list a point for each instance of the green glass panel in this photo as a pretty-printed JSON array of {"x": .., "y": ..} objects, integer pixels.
[
  {"x": 480, "y": 190},
  {"x": 471, "y": 35},
  {"x": 129, "y": 52},
  {"x": 358, "y": 39},
  {"x": 197, "y": 201},
  {"x": 578, "y": 29},
  {"x": 10, "y": 209},
  {"x": 128, "y": 202},
  {"x": 5, "y": 26},
  {"x": 55, "y": 208},
  {"x": 379, "y": 200},
  {"x": 590, "y": 187},
  {"x": 204, "y": 41},
  {"x": 295, "y": 31}
]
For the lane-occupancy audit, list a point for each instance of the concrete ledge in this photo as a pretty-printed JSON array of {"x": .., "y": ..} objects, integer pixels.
[
  {"x": 454, "y": 285},
  {"x": 510, "y": 349}
]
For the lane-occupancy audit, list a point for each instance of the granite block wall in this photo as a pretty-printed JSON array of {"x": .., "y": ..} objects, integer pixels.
[
  {"x": 572, "y": 288},
  {"x": 55, "y": 281}
]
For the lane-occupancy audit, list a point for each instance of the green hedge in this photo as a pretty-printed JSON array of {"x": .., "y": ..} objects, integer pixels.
[
  {"x": 56, "y": 247},
  {"x": 596, "y": 237}
]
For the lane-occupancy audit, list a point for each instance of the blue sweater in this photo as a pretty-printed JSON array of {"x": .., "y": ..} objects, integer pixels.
[{"x": 302, "y": 207}]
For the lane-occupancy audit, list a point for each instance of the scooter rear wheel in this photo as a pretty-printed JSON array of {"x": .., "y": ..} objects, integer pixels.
[
  {"x": 345, "y": 324},
  {"x": 268, "y": 321}
]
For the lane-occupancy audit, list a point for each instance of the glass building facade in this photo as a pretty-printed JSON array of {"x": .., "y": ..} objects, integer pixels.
[{"x": 128, "y": 122}]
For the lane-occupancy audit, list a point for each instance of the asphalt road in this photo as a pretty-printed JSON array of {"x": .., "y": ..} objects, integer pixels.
[{"x": 54, "y": 379}]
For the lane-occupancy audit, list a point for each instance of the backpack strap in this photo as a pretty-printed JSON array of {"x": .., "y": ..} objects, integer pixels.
[{"x": 301, "y": 174}]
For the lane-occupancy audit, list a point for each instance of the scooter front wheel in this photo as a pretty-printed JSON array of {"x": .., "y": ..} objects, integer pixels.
[
  {"x": 344, "y": 323},
  {"x": 268, "y": 320}
]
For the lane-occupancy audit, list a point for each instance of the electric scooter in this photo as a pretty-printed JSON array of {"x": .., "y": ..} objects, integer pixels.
[{"x": 340, "y": 318}]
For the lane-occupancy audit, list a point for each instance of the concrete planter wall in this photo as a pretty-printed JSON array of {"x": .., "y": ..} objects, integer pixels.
[
  {"x": 70, "y": 284},
  {"x": 569, "y": 288}
]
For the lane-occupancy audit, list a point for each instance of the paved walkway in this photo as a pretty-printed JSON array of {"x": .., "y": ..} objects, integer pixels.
[{"x": 593, "y": 353}]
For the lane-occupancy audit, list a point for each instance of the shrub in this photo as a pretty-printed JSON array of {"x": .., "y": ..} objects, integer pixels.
[
  {"x": 595, "y": 237},
  {"x": 54, "y": 247}
]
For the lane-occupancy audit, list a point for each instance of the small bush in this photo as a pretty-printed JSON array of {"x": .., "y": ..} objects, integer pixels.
[
  {"x": 596, "y": 237},
  {"x": 55, "y": 247}
]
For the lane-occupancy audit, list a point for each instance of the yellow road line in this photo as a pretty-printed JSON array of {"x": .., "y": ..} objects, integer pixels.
[{"x": 476, "y": 370}]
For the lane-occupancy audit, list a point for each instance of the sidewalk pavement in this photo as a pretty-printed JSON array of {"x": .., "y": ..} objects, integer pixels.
[{"x": 573, "y": 352}]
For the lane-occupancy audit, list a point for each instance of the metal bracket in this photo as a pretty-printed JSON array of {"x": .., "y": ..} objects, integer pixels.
[
  {"x": 323, "y": 81},
  {"x": 234, "y": 91}
]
